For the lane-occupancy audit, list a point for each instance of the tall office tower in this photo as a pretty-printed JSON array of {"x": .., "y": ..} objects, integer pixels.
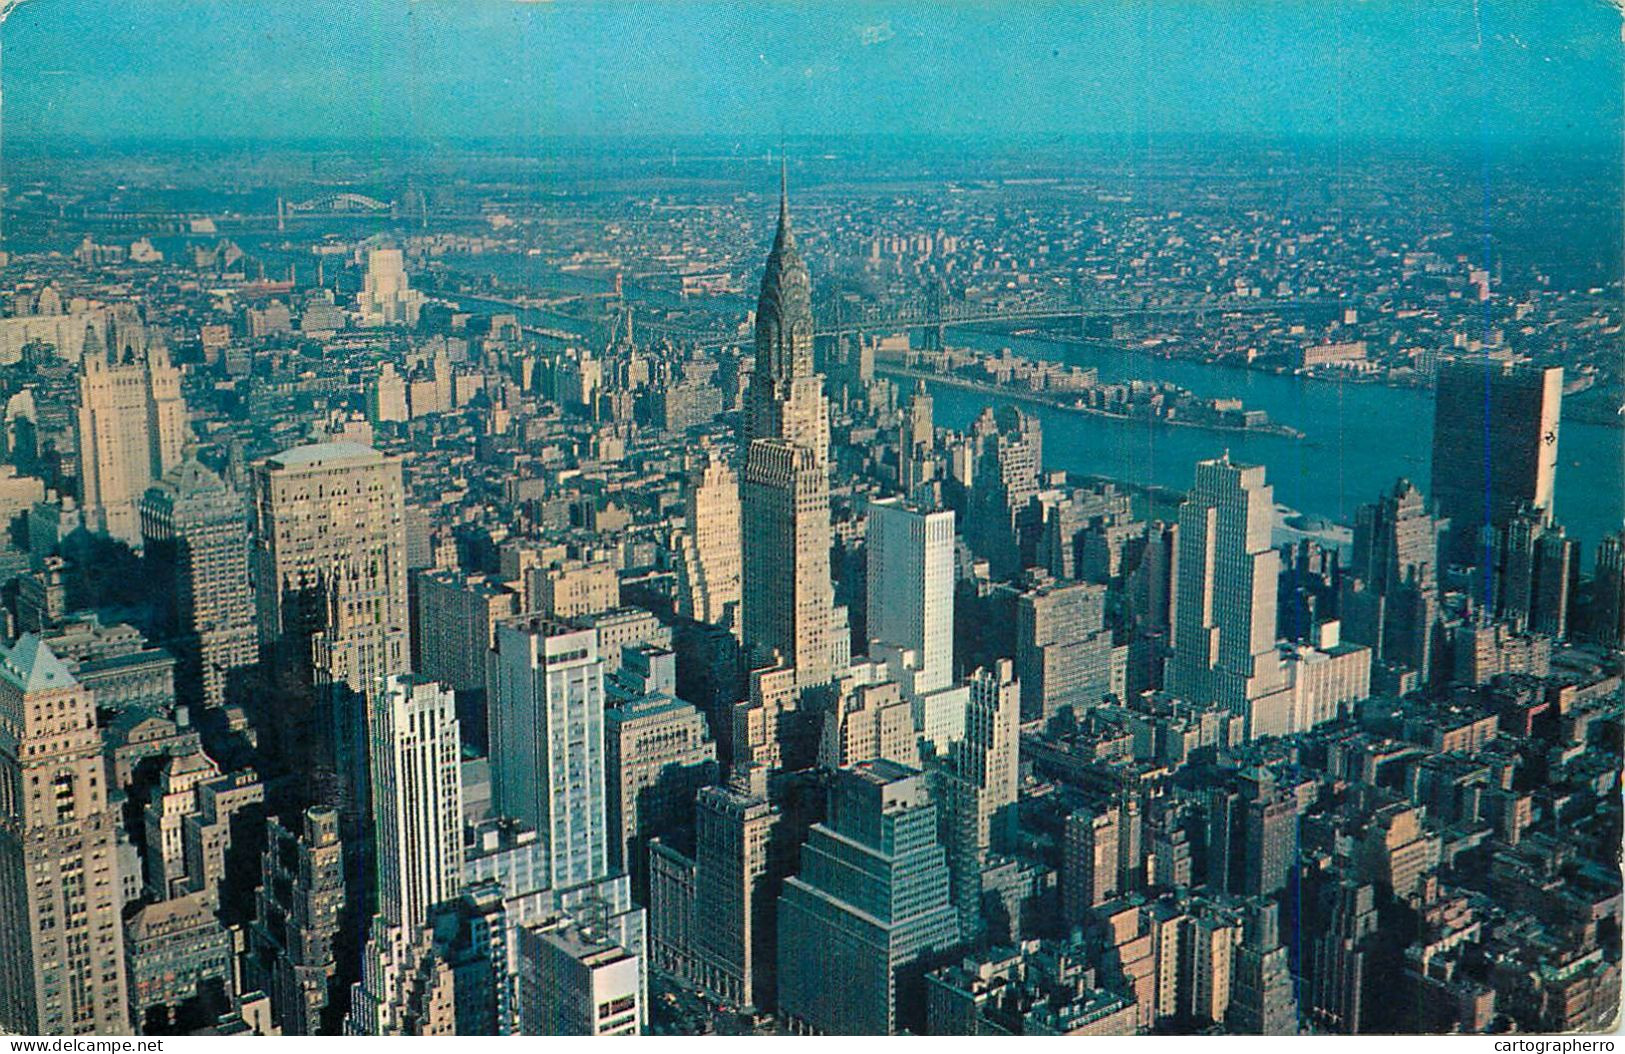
[
  {"x": 1252, "y": 835},
  {"x": 1207, "y": 965},
  {"x": 546, "y": 700},
  {"x": 1262, "y": 1002},
  {"x": 1396, "y": 540},
  {"x": 713, "y": 916},
  {"x": 1008, "y": 452},
  {"x": 869, "y": 907},
  {"x": 454, "y": 625},
  {"x": 62, "y": 967},
  {"x": 910, "y": 586},
  {"x": 736, "y": 885},
  {"x": 387, "y": 297},
  {"x": 916, "y": 438},
  {"x": 1063, "y": 649},
  {"x": 1150, "y": 595},
  {"x": 417, "y": 798},
  {"x": 1087, "y": 532},
  {"x": 330, "y": 583},
  {"x": 763, "y": 723},
  {"x": 1536, "y": 567},
  {"x": 868, "y": 719},
  {"x": 658, "y": 753},
  {"x": 1131, "y": 842},
  {"x": 788, "y": 596},
  {"x": 292, "y": 943},
  {"x": 789, "y": 599},
  {"x": 417, "y": 828},
  {"x": 180, "y": 960},
  {"x": 709, "y": 564},
  {"x": 195, "y": 533},
  {"x": 1389, "y": 600},
  {"x": 1089, "y": 861},
  {"x": 1224, "y": 629},
  {"x": 1343, "y": 914},
  {"x": 989, "y": 754},
  {"x": 133, "y": 428},
  {"x": 386, "y": 396},
  {"x": 1607, "y": 610},
  {"x": 977, "y": 784},
  {"x": 1494, "y": 447},
  {"x": 1269, "y": 838}
]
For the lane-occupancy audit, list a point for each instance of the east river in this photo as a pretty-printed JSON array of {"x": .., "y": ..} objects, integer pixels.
[{"x": 1358, "y": 437}]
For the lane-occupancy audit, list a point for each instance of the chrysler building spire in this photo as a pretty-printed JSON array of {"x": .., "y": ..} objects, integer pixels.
[
  {"x": 784, "y": 325},
  {"x": 788, "y": 609}
]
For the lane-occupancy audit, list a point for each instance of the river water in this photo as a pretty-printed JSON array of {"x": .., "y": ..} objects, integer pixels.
[{"x": 1359, "y": 437}]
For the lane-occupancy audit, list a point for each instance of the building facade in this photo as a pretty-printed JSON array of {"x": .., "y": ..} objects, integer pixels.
[{"x": 62, "y": 964}]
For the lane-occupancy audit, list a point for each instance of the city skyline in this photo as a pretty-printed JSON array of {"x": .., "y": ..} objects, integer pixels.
[{"x": 1048, "y": 520}]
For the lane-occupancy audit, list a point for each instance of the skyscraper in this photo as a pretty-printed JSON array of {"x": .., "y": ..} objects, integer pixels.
[
  {"x": 62, "y": 968},
  {"x": 709, "y": 564},
  {"x": 1007, "y": 453},
  {"x": 870, "y": 906},
  {"x": 546, "y": 700},
  {"x": 387, "y": 297},
  {"x": 1535, "y": 566},
  {"x": 1607, "y": 614},
  {"x": 786, "y": 397},
  {"x": 1089, "y": 860},
  {"x": 1224, "y": 626},
  {"x": 577, "y": 981},
  {"x": 789, "y": 599},
  {"x": 1336, "y": 965},
  {"x": 910, "y": 587},
  {"x": 455, "y": 617},
  {"x": 736, "y": 887},
  {"x": 1063, "y": 648},
  {"x": 976, "y": 786},
  {"x": 417, "y": 799},
  {"x": 330, "y": 586},
  {"x": 330, "y": 559},
  {"x": 132, "y": 430},
  {"x": 1252, "y": 834},
  {"x": 658, "y": 753},
  {"x": 1262, "y": 1003},
  {"x": 1396, "y": 540},
  {"x": 417, "y": 806},
  {"x": 714, "y": 916},
  {"x": 1494, "y": 447},
  {"x": 1390, "y": 599},
  {"x": 195, "y": 532},
  {"x": 293, "y": 944},
  {"x": 915, "y": 439}
]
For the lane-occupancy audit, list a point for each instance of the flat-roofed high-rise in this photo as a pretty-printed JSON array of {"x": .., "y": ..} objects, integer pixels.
[{"x": 1495, "y": 432}]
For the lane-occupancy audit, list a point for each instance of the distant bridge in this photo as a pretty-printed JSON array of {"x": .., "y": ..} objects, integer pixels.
[{"x": 934, "y": 315}]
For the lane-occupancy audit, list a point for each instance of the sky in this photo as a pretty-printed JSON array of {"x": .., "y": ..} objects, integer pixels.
[{"x": 438, "y": 69}]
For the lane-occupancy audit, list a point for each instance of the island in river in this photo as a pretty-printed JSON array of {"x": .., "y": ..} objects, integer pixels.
[{"x": 1073, "y": 389}]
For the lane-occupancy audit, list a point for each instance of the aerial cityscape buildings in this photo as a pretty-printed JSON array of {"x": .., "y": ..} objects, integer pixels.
[{"x": 862, "y": 586}]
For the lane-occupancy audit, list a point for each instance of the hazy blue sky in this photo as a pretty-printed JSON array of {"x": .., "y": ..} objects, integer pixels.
[{"x": 511, "y": 67}]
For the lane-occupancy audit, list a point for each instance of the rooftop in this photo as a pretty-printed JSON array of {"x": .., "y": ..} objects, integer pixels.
[
  {"x": 32, "y": 666},
  {"x": 312, "y": 455}
]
